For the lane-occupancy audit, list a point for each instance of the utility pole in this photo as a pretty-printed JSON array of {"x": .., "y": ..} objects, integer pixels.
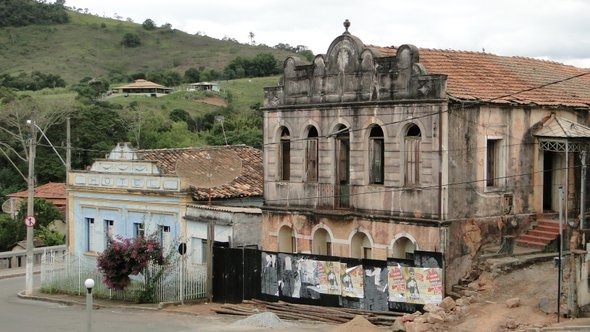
[
  {"x": 30, "y": 210},
  {"x": 68, "y": 169}
]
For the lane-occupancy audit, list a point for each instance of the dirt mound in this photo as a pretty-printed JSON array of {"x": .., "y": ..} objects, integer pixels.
[
  {"x": 358, "y": 323},
  {"x": 215, "y": 101}
]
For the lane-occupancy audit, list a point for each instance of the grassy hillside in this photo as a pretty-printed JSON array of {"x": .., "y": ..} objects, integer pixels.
[{"x": 90, "y": 46}]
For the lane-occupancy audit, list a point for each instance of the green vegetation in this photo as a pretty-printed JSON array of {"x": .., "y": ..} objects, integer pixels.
[
  {"x": 52, "y": 72},
  {"x": 14, "y": 230},
  {"x": 90, "y": 46},
  {"x": 16, "y": 13}
]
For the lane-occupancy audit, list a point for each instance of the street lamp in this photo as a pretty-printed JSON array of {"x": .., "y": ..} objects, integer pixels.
[{"x": 89, "y": 283}]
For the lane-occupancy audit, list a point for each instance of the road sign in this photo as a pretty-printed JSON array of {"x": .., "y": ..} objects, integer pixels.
[
  {"x": 30, "y": 221},
  {"x": 182, "y": 248}
]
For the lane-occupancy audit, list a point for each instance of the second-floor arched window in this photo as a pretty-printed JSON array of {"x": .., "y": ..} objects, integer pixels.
[
  {"x": 376, "y": 155},
  {"x": 412, "y": 141},
  {"x": 284, "y": 157},
  {"x": 311, "y": 155}
]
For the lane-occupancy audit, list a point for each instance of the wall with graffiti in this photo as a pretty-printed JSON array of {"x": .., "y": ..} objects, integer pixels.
[{"x": 395, "y": 284}]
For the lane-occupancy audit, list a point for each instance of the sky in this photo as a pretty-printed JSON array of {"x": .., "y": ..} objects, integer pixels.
[{"x": 557, "y": 30}]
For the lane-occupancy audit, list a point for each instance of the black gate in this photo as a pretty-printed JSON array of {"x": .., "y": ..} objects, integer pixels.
[{"x": 236, "y": 274}]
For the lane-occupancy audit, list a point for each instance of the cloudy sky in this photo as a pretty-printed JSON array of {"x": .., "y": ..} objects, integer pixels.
[{"x": 556, "y": 30}]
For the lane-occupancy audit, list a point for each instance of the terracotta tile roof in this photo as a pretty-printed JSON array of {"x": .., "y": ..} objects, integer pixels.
[
  {"x": 142, "y": 84},
  {"x": 227, "y": 171},
  {"x": 505, "y": 79},
  {"x": 51, "y": 190}
]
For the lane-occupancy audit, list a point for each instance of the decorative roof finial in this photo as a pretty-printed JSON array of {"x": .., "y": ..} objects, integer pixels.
[{"x": 346, "y": 25}]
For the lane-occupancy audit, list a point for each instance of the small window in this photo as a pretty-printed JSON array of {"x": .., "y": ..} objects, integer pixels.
[
  {"x": 138, "y": 230},
  {"x": 376, "y": 155},
  {"x": 493, "y": 162},
  {"x": 284, "y": 157}
]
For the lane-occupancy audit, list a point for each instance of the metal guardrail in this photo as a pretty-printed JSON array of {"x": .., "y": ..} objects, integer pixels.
[{"x": 18, "y": 259}]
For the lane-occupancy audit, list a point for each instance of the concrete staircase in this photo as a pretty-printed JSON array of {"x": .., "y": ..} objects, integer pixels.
[{"x": 546, "y": 231}]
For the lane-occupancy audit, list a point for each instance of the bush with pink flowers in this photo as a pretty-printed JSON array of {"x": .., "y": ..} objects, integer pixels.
[{"x": 124, "y": 257}]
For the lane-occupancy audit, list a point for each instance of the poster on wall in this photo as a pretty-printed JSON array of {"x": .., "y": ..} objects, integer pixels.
[
  {"x": 309, "y": 279},
  {"x": 396, "y": 283},
  {"x": 269, "y": 278},
  {"x": 352, "y": 281},
  {"x": 414, "y": 284},
  {"x": 328, "y": 277},
  {"x": 375, "y": 285},
  {"x": 289, "y": 276}
]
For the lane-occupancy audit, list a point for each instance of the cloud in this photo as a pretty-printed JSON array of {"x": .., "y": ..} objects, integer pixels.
[{"x": 553, "y": 29}]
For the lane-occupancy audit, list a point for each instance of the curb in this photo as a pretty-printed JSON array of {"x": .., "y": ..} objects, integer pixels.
[{"x": 22, "y": 295}]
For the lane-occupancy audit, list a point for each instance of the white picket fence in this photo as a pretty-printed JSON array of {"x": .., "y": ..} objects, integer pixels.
[{"x": 65, "y": 273}]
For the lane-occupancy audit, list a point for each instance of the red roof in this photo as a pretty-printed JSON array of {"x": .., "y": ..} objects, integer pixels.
[
  {"x": 505, "y": 79},
  {"x": 235, "y": 171},
  {"x": 51, "y": 190}
]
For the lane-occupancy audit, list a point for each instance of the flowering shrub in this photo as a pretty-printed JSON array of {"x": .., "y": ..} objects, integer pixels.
[{"x": 124, "y": 257}]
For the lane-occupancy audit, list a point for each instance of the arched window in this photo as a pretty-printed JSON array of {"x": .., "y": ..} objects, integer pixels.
[
  {"x": 286, "y": 239},
  {"x": 403, "y": 248},
  {"x": 360, "y": 246},
  {"x": 342, "y": 166},
  {"x": 376, "y": 155},
  {"x": 321, "y": 243},
  {"x": 412, "y": 141},
  {"x": 284, "y": 158},
  {"x": 311, "y": 155}
]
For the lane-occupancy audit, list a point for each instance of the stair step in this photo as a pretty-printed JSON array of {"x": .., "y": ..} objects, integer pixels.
[
  {"x": 542, "y": 234},
  {"x": 533, "y": 239},
  {"x": 530, "y": 244},
  {"x": 547, "y": 229},
  {"x": 548, "y": 223}
]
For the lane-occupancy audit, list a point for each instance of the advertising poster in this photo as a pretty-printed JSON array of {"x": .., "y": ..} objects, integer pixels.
[
  {"x": 352, "y": 281},
  {"x": 310, "y": 279},
  {"x": 289, "y": 276},
  {"x": 269, "y": 278},
  {"x": 329, "y": 277},
  {"x": 422, "y": 285},
  {"x": 397, "y": 285}
]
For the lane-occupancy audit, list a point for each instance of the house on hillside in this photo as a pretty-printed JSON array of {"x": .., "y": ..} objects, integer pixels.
[
  {"x": 204, "y": 86},
  {"x": 381, "y": 152},
  {"x": 144, "y": 87},
  {"x": 137, "y": 192},
  {"x": 53, "y": 192}
]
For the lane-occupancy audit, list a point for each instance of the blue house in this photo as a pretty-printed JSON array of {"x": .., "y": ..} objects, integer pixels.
[{"x": 146, "y": 192}]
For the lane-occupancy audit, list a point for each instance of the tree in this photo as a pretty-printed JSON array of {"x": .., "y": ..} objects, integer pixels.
[
  {"x": 9, "y": 232},
  {"x": 192, "y": 75},
  {"x": 14, "y": 129},
  {"x": 131, "y": 40},
  {"x": 251, "y": 35},
  {"x": 96, "y": 128},
  {"x": 178, "y": 115},
  {"x": 124, "y": 257},
  {"x": 149, "y": 24}
]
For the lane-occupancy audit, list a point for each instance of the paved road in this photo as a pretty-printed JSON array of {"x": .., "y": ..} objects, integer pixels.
[{"x": 18, "y": 314}]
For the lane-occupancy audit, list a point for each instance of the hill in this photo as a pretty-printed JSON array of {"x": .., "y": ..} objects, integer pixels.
[{"x": 90, "y": 46}]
